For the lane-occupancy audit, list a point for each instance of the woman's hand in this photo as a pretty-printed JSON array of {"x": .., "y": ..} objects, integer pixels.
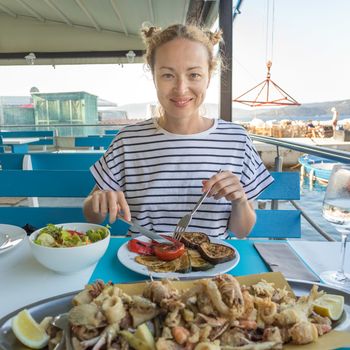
[
  {"x": 109, "y": 202},
  {"x": 227, "y": 185}
]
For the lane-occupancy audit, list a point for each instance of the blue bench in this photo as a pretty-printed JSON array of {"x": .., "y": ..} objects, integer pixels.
[
  {"x": 94, "y": 141},
  {"x": 47, "y": 183},
  {"x": 48, "y": 161},
  {"x": 78, "y": 183},
  {"x": 111, "y": 132}
]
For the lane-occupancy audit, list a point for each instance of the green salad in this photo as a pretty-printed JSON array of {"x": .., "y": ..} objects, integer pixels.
[{"x": 54, "y": 236}]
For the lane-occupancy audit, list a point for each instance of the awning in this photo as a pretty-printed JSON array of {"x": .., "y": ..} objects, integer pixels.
[{"x": 88, "y": 31}]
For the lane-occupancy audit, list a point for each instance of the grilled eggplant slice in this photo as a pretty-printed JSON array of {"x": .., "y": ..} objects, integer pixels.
[
  {"x": 197, "y": 262},
  {"x": 194, "y": 239},
  {"x": 216, "y": 253},
  {"x": 184, "y": 263}
]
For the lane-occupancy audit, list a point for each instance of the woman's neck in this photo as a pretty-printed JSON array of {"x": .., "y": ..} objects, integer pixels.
[{"x": 185, "y": 126}]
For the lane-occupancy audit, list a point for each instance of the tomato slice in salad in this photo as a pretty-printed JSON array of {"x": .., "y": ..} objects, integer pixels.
[
  {"x": 73, "y": 232},
  {"x": 168, "y": 252},
  {"x": 139, "y": 247}
]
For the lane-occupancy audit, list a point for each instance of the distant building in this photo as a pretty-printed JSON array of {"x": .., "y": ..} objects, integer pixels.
[
  {"x": 16, "y": 110},
  {"x": 65, "y": 108}
]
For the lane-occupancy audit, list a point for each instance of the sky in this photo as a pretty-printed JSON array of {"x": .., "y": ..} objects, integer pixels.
[{"x": 310, "y": 52}]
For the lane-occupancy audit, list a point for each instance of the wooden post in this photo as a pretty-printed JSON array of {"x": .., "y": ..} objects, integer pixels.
[{"x": 225, "y": 23}]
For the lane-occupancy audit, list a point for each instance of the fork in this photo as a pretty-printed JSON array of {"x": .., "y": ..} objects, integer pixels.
[{"x": 186, "y": 219}]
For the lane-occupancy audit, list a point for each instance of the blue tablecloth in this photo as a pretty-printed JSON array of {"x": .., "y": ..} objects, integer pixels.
[{"x": 110, "y": 269}]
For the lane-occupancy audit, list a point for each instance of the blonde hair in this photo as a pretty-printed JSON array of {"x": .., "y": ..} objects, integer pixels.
[{"x": 154, "y": 37}]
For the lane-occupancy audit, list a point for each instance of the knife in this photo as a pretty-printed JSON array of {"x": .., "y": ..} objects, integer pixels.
[
  {"x": 145, "y": 232},
  {"x": 10, "y": 243}
]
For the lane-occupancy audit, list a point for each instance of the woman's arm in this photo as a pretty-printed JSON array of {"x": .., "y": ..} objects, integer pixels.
[
  {"x": 99, "y": 203},
  {"x": 242, "y": 219},
  {"x": 226, "y": 184}
]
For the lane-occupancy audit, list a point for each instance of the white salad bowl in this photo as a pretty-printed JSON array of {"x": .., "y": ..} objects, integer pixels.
[{"x": 68, "y": 260}]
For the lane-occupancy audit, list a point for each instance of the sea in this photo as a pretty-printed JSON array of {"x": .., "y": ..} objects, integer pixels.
[{"x": 311, "y": 202}]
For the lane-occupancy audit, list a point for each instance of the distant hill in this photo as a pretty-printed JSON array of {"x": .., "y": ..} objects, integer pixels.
[{"x": 319, "y": 110}]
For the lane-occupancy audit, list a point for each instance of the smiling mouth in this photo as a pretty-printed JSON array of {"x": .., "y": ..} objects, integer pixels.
[{"x": 181, "y": 103}]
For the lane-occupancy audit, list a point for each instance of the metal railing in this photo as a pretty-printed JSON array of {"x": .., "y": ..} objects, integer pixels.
[{"x": 327, "y": 153}]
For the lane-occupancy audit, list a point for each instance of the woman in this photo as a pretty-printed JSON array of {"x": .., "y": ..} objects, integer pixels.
[{"x": 156, "y": 170}]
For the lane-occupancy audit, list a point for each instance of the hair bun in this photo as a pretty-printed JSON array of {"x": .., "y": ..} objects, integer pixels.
[
  {"x": 214, "y": 37},
  {"x": 149, "y": 31}
]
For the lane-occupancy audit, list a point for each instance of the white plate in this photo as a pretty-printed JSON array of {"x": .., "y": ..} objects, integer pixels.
[
  {"x": 15, "y": 233},
  {"x": 127, "y": 258}
]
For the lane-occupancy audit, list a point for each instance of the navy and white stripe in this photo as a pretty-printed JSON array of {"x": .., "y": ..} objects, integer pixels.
[{"x": 161, "y": 173}]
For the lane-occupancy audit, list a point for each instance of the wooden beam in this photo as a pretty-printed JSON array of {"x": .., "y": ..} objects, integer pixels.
[
  {"x": 31, "y": 11},
  {"x": 59, "y": 12},
  {"x": 88, "y": 14},
  {"x": 225, "y": 23},
  {"x": 8, "y": 11},
  {"x": 119, "y": 16},
  {"x": 151, "y": 12},
  {"x": 72, "y": 54}
]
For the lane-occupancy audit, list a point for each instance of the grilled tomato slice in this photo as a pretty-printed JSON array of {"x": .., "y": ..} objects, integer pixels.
[
  {"x": 139, "y": 247},
  {"x": 168, "y": 252}
]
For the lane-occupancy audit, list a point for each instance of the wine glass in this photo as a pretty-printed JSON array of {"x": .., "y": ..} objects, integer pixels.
[{"x": 336, "y": 210}]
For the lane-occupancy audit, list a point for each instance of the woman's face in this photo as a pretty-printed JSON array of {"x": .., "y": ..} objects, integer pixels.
[{"x": 181, "y": 77}]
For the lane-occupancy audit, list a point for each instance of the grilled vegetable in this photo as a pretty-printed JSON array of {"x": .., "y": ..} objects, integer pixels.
[
  {"x": 140, "y": 247},
  {"x": 181, "y": 264},
  {"x": 184, "y": 263},
  {"x": 216, "y": 253},
  {"x": 197, "y": 262},
  {"x": 149, "y": 261},
  {"x": 194, "y": 239},
  {"x": 168, "y": 252}
]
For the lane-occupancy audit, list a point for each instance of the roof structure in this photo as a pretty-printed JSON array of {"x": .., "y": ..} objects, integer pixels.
[{"x": 88, "y": 31}]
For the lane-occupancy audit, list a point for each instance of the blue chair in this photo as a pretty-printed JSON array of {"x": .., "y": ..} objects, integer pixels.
[
  {"x": 279, "y": 223},
  {"x": 47, "y": 183},
  {"x": 78, "y": 183},
  {"x": 48, "y": 161}
]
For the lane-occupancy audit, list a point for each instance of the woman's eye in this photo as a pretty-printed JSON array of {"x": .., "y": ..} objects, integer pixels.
[
  {"x": 195, "y": 76},
  {"x": 167, "y": 76}
]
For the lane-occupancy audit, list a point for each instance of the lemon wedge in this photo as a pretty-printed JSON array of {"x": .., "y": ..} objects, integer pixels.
[
  {"x": 28, "y": 331},
  {"x": 330, "y": 305}
]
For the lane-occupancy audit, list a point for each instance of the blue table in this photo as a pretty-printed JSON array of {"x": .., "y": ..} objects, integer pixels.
[{"x": 18, "y": 144}]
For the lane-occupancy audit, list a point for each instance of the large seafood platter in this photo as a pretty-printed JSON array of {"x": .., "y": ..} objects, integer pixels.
[{"x": 252, "y": 312}]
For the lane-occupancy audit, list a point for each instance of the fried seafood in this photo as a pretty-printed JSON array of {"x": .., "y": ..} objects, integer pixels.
[
  {"x": 303, "y": 333},
  {"x": 215, "y": 313}
]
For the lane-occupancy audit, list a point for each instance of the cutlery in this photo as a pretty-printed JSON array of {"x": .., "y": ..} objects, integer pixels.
[
  {"x": 61, "y": 322},
  {"x": 186, "y": 219},
  {"x": 10, "y": 243},
  {"x": 150, "y": 234}
]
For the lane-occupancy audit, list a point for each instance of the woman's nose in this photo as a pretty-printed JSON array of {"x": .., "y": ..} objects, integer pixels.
[{"x": 181, "y": 86}]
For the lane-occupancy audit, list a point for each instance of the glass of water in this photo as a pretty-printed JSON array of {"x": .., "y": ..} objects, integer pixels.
[{"x": 336, "y": 210}]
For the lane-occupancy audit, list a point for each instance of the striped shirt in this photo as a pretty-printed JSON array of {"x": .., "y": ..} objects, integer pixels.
[{"x": 161, "y": 173}]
